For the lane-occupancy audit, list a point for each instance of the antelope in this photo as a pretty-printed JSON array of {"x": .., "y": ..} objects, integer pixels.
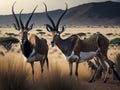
[
  {"x": 34, "y": 48},
  {"x": 77, "y": 50}
]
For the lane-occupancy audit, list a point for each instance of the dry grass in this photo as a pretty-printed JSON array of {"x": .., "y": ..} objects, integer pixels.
[
  {"x": 117, "y": 60},
  {"x": 14, "y": 75},
  {"x": 55, "y": 80}
]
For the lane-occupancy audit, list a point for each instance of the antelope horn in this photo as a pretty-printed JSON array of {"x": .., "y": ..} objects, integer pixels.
[
  {"x": 21, "y": 23},
  {"x": 18, "y": 26},
  {"x": 26, "y": 26},
  {"x": 58, "y": 22},
  {"x": 53, "y": 24}
]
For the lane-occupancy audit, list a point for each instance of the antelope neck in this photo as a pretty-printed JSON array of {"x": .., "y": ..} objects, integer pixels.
[
  {"x": 26, "y": 48},
  {"x": 64, "y": 45}
]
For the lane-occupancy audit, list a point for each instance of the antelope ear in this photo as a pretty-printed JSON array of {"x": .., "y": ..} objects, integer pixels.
[
  {"x": 16, "y": 27},
  {"x": 49, "y": 28},
  {"x": 62, "y": 29},
  {"x": 30, "y": 27}
]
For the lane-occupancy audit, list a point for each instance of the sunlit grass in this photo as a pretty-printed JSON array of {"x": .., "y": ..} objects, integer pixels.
[
  {"x": 16, "y": 75},
  {"x": 13, "y": 74}
]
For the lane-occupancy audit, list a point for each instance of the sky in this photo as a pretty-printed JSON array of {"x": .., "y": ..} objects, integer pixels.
[{"x": 28, "y": 5}]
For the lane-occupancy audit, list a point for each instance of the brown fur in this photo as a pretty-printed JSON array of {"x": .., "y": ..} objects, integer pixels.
[{"x": 40, "y": 45}]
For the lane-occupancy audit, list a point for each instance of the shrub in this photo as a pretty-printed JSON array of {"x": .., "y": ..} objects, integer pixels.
[
  {"x": 115, "y": 41},
  {"x": 41, "y": 33},
  {"x": 11, "y": 34},
  {"x": 81, "y": 34},
  {"x": 109, "y": 34},
  {"x": 8, "y": 39},
  {"x": 39, "y": 30}
]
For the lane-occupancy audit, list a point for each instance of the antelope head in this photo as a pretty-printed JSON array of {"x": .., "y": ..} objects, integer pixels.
[
  {"x": 23, "y": 29},
  {"x": 54, "y": 28}
]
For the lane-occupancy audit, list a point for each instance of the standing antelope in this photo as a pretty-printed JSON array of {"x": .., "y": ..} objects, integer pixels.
[
  {"x": 77, "y": 50},
  {"x": 34, "y": 49}
]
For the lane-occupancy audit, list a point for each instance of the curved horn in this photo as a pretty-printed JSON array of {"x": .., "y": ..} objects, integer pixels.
[
  {"x": 18, "y": 26},
  {"x": 58, "y": 22},
  {"x": 26, "y": 26},
  {"x": 21, "y": 23},
  {"x": 53, "y": 24}
]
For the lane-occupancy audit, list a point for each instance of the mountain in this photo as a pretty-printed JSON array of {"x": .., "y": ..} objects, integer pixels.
[{"x": 100, "y": 13}]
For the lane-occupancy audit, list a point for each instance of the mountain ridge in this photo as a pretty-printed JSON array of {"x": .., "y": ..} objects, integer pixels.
[{"x": 96, "y": 13}]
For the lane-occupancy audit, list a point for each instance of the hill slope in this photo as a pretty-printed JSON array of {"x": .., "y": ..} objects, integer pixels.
[{"x": 102, "y": 13}]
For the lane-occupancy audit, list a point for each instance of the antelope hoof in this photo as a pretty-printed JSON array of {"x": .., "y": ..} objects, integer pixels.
[
  {"x": 70, "y": 73},
  {"x": 76, "y": 73},
  {"x": 42, "y": 70},
  {"x": 105, "y": 80},
  {"x": 91, "y": 81},
  {"x": 33, "y": 72}
]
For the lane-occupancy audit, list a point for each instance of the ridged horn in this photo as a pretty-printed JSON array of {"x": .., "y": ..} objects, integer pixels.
[
  {"x": 21, "y": 23},
  {"x": 58, "y": 22},
  {"x": 17, "y": 22},
  {"x": 52, "y": 22},
  {"x": 28, "y": 21}
]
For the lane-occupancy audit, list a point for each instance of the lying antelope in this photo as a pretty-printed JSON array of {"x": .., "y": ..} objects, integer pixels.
[
  {"x": 34, "y": 49},
  {"x": 77, "y": 50}
]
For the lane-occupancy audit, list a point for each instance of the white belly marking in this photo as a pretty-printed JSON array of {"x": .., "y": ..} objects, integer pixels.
[
  {"x": 72, "y": 57},
  {"x": 84, "y": 56},
  {"x": 33, "y": 57}
]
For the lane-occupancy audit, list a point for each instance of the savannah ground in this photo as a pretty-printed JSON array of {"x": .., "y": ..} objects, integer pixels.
[{"x": 14, "y": 72}]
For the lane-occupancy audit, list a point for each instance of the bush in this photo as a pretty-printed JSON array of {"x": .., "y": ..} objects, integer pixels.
[
  {"x": 41, "y": 33},
  {"x": 81, "y": 34},
  {"x": 11, "y": 34},
  {"x": 8, "y": 39},
  {"x": 115, "y": 41},
  {"x": 39, "y": 30},
  {"x": 109, "y": 34}
]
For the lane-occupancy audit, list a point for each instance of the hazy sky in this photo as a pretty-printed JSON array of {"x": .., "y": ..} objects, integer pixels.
[{"x": 28, "y": 5}]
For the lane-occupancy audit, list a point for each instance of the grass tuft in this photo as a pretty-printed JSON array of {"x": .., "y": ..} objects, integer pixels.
[
  {"x": 117, "y": 60},
  {"x": 13, "y": 75}
]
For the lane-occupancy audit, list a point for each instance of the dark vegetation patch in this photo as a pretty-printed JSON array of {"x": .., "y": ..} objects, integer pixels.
[
  {"x": 81, "y": 34},
  {"x": 39, "y": 30},
  {"x": 115, "y": 41},
  {"x": 11, "y": 34},
  {"x": 7, "y": 42},
  {"x": 8, "y": 39},
  {"x": 109, "y": 34}
]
